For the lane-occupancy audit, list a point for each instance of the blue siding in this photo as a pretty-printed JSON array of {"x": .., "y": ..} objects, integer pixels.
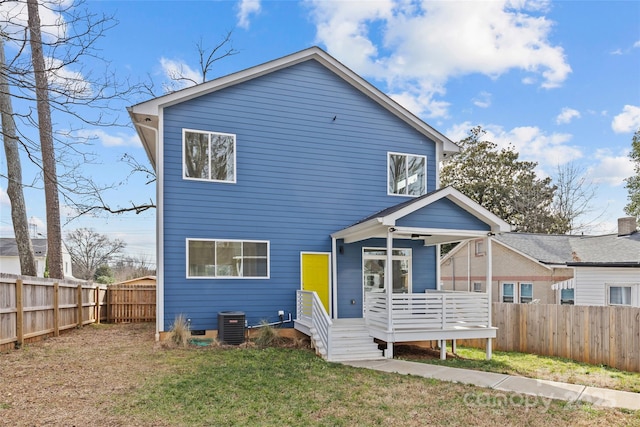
[
  {"x": 300, "y": 176},
  {"x": 350, "y": 291},
  {"x": 443, "y": 214}
]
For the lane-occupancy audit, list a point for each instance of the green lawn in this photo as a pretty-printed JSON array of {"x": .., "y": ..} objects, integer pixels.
[
  {"x": 540, "y": 367},
  {"x": 293, "y": 387}
]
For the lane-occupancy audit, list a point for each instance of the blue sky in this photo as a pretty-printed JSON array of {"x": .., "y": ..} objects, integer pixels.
[{"x": 560, "y": 81}]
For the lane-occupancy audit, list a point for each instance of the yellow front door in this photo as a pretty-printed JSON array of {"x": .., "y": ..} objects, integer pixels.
[{"x": 315, "y": 273}]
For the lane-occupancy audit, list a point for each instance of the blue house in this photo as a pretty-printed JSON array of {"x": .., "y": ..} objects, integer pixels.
[{"x": 296, "y": 186}]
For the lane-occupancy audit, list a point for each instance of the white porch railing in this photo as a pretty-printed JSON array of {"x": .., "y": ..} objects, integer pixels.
[
  {"x": 310, "y": 311},
  {"x": 429, "y": 311}
]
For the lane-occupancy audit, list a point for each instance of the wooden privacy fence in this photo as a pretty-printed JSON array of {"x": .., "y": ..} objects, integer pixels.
[
  {"x": 32, "y": 308},
  {"x": 591, "y": 334}
]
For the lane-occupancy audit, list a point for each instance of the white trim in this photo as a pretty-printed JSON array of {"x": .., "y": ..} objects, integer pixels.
[
  {"x": 209, "y": 135},
  {"x": 302, "y": 253},
  {"x": 515, "y": 291},
  {"x": 406, "y": 155},
  {"x": 195, "y": 239},
  {"x": 633, "y": 297},
  {"x": 520, "y": 292},
  {"x": 334, "y": 278},
  {"x": 160, "y": 227}
]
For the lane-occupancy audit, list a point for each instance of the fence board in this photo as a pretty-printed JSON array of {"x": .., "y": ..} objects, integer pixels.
[
  {"x": 32, "y": 308},
  {"x": 596, "y": 335}
]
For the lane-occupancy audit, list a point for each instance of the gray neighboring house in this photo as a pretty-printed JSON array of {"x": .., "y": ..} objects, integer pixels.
[
  {"x": 10, "y": 261},
  {"x": 585, "y": 270}
]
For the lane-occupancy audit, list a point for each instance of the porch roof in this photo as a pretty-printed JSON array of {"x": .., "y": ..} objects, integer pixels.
[{"x": 380, "y": 223}]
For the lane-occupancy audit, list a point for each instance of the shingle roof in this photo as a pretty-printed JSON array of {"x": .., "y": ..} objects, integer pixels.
[
  {"x": 8, "y": 247},
  {"x": 608, "y": 249}
]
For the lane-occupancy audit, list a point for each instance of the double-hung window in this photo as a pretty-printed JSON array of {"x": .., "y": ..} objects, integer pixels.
[
  {"x": 619, "y": 295},
  {"x": 516, "y": 292},
  {"x": 406, "y": 174},
  {"x": 227, "y": 259},
  {"x": 209, "y": 156}
]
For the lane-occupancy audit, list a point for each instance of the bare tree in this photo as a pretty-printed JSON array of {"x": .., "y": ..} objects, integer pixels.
[
  {"x": 573, "y": 196},
  {"x": 45, "y": 129},
  {"x": 90, "y": 250},
  {"x": 14, "y": 174}
]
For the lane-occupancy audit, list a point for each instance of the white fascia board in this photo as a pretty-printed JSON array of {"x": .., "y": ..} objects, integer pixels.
[
  {"x": 366, "y": 230},
  {"x": 441, "y": 232}
]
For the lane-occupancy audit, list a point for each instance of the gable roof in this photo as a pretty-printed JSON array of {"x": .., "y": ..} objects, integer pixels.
[
  {"x": 9, "y": 247},
  {"x": 608, "y": 250},
  {"x": 145, "y": 115},
  {"x": 378, "y": 224}
]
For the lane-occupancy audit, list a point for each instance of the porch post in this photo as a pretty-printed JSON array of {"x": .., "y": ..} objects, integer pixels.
[
  {"x": 388, "y": 285},
  {"x": 489, "y": 280},
  {"x": 438, "y": 272},
  {"x": 334, "y": 278}
]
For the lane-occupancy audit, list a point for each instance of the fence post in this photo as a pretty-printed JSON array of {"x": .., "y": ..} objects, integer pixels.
[
  {"x": 108, "y": 299},
  {"x": 79, "y": 301},
  {"x": 19, "y": 314},
  {"x": 56, "y": 309},
  {"x": 96, "y": 300}
]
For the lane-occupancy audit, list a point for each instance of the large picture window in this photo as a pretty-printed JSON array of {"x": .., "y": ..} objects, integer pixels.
[
  {"x": 407, "y": 174},
  {"x": 227, "y": 259},
  {"x": 209, "y": 156}
]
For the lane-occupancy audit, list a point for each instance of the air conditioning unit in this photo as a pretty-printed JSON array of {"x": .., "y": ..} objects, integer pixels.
[{"x": 231, "y": 327}]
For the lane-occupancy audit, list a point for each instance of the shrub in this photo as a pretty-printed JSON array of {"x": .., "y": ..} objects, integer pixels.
[
  {"x": 267, "y": 335},
  {"x": 179, "y": 333}
]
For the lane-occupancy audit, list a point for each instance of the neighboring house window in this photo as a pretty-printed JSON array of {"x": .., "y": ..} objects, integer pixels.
[
  {"x": 479, "y": 247},
  {"x": 227, "y": 259},
  {"x": 373, "y": 268},
  {"x": 477, "y": 287},
  {"x": 619, "y": 295},
  {"x": 508, "y": 292},
  {"x": 526, "y": 293},
  {"x": 407, "y": 174},
  {"x": 567, "y": 296},
  {"x": 209, "y": 156}
]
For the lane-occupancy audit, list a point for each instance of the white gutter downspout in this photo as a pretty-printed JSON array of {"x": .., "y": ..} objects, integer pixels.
[
  {"x": 438, "y": 272},
  {"x": 388, "y": 279},
  {"x": 334, "y": 279}
]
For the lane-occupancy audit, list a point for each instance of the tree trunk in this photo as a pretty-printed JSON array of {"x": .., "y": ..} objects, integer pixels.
[
  {"x": 54, "y": 230},
  {"x": 14, "y": 174}
]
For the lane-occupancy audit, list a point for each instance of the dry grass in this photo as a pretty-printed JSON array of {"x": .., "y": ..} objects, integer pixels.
[{"x": 116, "y": 375}]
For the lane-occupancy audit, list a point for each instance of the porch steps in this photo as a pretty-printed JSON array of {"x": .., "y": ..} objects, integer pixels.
[{"x": 350, "y": 340}]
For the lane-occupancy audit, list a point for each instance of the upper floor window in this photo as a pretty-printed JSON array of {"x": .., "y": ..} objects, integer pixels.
[
  {"x": 407, "y": 174},
  {"x": 209, "y": 156},
  {"x": 227, "y": 259}
]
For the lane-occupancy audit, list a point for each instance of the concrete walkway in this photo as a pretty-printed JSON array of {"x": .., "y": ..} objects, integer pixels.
[{"x": 509, "y": 383}]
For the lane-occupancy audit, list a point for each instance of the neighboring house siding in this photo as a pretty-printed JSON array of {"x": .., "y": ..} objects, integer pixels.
[
  {"x": 301, "y": 175},
  {"x": 508, "y": 266},
  {"x": 591, "y": 283}
]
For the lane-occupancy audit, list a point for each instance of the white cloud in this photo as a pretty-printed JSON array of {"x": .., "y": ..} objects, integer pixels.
[
  {"x": 119, "y": 139},
  {"x": 179, "y": 74},
  {"x": 417, "y": 47},
  {"x": 532, "y": 143},
  {"x": 4, "y": 198},
  {"x": 628, "y": 120},
  {"x": 566, "y": 115},
  {"x": 482, "y": 100},
  {"x": 13, "y": 19},
  {"x": 247, "y": 8},
  {"x": 611, "y": 169},
  {"x": 67, "y": 81},
  {"x": 636, "y": 44}
]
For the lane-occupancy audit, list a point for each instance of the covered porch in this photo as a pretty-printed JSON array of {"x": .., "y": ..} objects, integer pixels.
[{"x": 395, "y": 312}]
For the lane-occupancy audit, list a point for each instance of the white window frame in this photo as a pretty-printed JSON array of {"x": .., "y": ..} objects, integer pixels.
[
  {"x": 409, "y": 257},
  {"x": 632, "y": 299},
  {"x": 520, "y": 292},
  {"x": 479, "y": 248},
  {"x": 215, "y": 276},
  {"x": 209, "y": 133},
  {"x": 515, "y": 292},
  {"x": 389, "y": 154}
]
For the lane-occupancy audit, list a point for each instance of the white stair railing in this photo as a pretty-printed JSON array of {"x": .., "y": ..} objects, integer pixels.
[{"x": 311, "y": 310}]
